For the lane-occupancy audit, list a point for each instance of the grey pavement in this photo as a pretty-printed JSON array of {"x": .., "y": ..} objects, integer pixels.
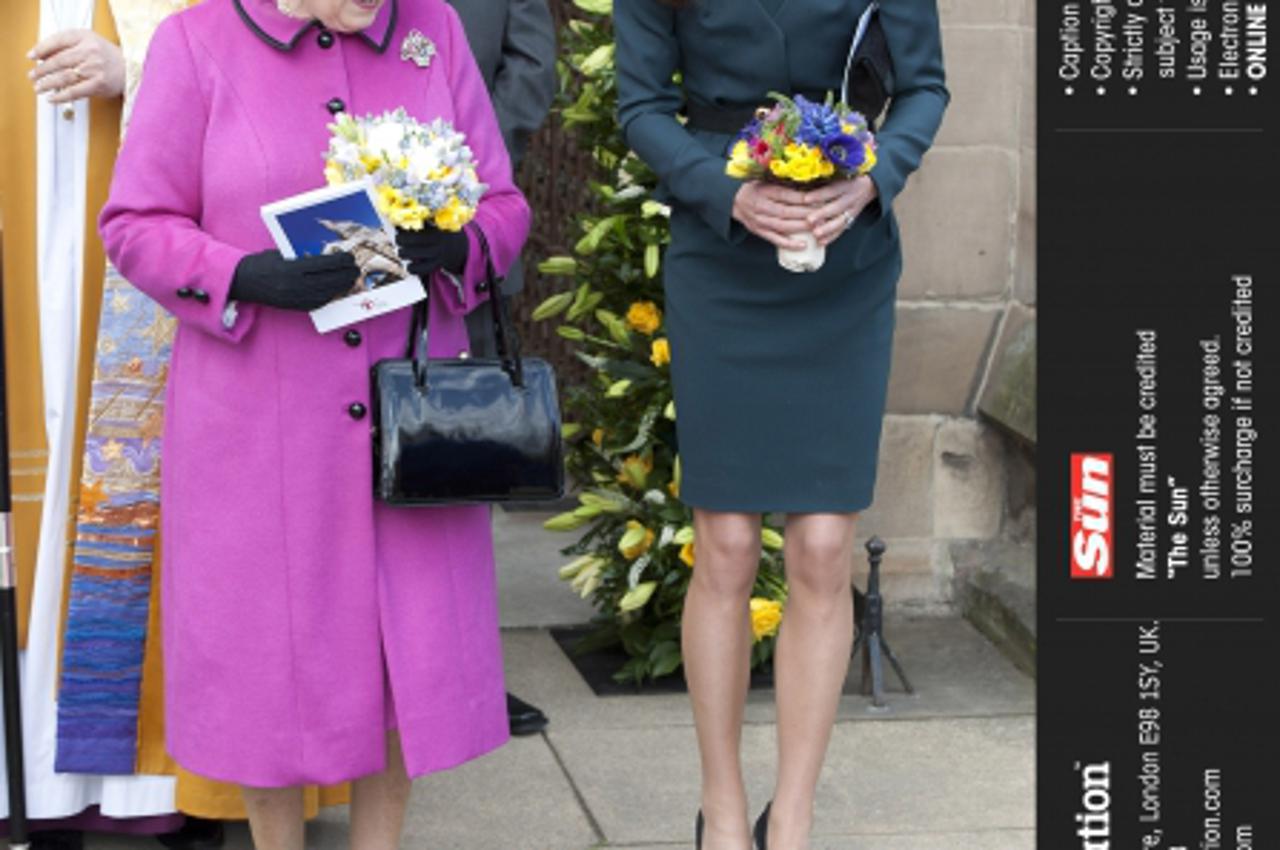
[{"x": 950, "y": 767}]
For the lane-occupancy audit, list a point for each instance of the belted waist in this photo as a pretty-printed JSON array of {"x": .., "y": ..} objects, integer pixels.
[
  {"x": 732, "y": 118},
  {"x": 727, "y": 119}
]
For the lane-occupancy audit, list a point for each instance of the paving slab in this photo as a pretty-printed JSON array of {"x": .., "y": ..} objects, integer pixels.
[
  {"x": 955, "y": 670},
  {"x": 516, "y": 798},
  {"x": 927, "y": 775},
  {"x": 1006, "y": 839},
  {"x": 530, "y": 593}
]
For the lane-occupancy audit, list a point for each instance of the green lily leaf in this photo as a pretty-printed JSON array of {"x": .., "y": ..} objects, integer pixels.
[{"x": 552, "y": 306}]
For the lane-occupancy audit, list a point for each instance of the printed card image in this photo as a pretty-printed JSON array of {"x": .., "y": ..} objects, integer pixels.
[{"x": 345, "y": 218}]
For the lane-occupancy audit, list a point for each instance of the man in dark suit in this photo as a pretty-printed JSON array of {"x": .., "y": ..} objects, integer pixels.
[{"x": 514, "y": 42}]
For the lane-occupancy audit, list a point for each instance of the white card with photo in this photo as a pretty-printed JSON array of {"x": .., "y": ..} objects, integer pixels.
[{"x": 346, "y": 218}]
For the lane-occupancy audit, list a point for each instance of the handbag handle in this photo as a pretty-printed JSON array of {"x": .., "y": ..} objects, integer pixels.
[
  {"x": 506, "y": 340},
  {"x": 859, "y": 34}
]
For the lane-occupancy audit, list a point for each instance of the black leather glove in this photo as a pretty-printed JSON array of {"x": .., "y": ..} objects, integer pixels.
[
  {"x": 302, "y": 284},
  {"x": 431, "y": 248}
]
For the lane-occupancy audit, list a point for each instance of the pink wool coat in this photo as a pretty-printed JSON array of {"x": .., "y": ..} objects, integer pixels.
[{"x": 285, "y": 586}]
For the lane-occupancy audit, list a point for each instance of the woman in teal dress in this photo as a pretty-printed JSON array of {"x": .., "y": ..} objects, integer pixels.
[{"x": 780, "y": 378}]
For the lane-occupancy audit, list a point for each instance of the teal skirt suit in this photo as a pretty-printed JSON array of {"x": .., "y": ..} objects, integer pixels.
[{"x": 779, "y": 378}]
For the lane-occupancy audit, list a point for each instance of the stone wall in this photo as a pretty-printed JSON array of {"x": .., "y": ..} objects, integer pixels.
[{"x": 954, "y": 468}]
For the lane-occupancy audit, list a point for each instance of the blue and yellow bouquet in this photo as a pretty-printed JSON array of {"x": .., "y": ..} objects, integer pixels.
[
  {"x": 421, "y": 173},
  {"x": 801, "y": 142}
]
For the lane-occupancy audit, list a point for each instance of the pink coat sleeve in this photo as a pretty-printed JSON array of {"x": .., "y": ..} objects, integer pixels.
[
  {"x": 503, "y": 212},
  {"x": 151, "y": 223}
]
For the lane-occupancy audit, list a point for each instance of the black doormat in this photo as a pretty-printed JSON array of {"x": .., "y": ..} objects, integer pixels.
[{"x": 598, "y": 666}]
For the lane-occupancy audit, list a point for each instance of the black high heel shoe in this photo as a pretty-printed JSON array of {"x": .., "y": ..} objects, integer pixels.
[
  {"x": 762, "y": 828},
  {"x": 697, "y": 831}
]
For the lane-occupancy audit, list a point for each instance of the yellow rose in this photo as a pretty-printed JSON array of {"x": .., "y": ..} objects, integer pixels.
[
  {"x": 635, "y": 541},
  {"x": 644, "y": 316},
  {"x": 766, "y": 616},
  {"x": 686, "y": 554},
  {"x": 660, "y": 352}
]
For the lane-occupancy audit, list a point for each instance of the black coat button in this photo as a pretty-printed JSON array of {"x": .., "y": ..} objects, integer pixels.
[
  {"x": 352, "y": 338},
  {"x": 357, "y": 410},
  {"x": 186, "y": 292},
  {"x": 200, "y": 295},
  {"x": 335, "y": 105},
  {"x": 325, "y": 39},
  {"x": 482, "y": 286}
]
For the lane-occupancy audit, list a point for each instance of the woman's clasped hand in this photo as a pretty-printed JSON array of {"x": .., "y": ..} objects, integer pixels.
[
  {"x": 305, "y": 283},
  {"x": 778, "y": 213},
  {"x": 75, "y": 64},
  {"x": 431, "y": 248}
]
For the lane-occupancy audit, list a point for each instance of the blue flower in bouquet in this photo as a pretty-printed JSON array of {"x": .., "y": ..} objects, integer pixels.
[
  {"x": 846, "y": 151},
  {"x": 818, "y": 122}
]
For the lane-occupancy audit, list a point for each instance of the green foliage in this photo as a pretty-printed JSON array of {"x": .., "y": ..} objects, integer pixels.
[{"x": 635, "y": 559}]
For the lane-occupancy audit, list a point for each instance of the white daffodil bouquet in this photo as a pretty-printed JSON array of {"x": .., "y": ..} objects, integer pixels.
[{"x": 421, "y": 173}]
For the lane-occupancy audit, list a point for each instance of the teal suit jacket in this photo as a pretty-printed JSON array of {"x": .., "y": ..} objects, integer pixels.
[{"x": 733, "y": 53}]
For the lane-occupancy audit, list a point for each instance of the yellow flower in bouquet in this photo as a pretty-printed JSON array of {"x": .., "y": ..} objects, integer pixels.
[
  {"x": 453, "y": 216},
  {"x": 421, "y": 173},
  {"x": 660, "y": 352},
  {"x": 741, "y": 165},
  {"x": 801, "y": 164},
  {"x": 635, "y": 541},
  {"x": 635, "y": 470},
  {"x": 645, "y": 317},
  {"x": 868, "y": 163},
  {"x": 686, "y": 554},
  {"x": 766, "y": 617}
]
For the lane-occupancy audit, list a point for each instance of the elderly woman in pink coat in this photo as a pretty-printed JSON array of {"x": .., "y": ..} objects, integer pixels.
[{"x": 311, "y": 635}]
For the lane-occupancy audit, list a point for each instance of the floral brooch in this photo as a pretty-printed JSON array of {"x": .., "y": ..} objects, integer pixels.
[{"x": 418, "y": 49}]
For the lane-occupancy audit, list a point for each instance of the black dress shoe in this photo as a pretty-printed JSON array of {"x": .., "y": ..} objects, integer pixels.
[
  {"x": 525, "y": 719},
  {"x": 195, "y": 834},
  {"x": 697, "y": 831},
  {"x": 57, "y": 839},
  {"x": 762, "y": 829}
]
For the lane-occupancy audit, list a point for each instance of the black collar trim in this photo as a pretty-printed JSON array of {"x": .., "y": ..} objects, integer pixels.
[{"x": 307, "y": 26}]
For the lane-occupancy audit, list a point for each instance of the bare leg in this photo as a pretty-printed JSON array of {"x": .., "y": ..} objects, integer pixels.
[
  {"x": 275, "y": 817},
  {"x": 812, "y": 661},
  {"x": 716, "y": 637},
  {"x": 378, "y": 803}
]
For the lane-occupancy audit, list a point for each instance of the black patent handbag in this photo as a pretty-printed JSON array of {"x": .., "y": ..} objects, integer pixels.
[{"x": 466, "y": 430}]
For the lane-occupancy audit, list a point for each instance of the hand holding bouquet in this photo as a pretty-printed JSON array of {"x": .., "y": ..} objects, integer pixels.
[
  {"x": 421, "y": 173},
  {"x": 803, "y": 145}
]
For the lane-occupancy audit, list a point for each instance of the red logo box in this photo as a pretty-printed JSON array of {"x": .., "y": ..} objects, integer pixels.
[{"x": 1092, "y": 503}]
